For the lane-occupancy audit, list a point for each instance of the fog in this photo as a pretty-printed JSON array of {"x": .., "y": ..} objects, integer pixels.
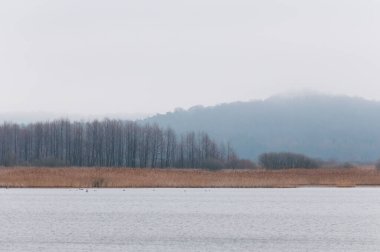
[{"x": 127, "y": 57}]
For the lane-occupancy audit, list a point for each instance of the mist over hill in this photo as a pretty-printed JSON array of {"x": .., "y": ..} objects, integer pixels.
[{"x": 337, "y": 128}]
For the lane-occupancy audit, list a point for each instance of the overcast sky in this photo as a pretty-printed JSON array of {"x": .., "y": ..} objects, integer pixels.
[{"x": 152, "y": 56}]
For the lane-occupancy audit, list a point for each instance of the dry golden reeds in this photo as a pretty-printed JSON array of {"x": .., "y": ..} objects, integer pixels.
[{"x": 128, "y": 177}]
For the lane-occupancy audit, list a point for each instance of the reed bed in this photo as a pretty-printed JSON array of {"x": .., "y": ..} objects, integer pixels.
[{"x": 76, "y": 177}]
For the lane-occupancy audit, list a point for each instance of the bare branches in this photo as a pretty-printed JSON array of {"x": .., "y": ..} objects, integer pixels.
[{"x": 111, "y": 143}]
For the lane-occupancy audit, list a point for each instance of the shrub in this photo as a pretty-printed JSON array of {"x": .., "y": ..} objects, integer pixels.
[
  {"x": 378, "y": 165},
  {"x": 348, "y": 165},
  {"x": 48, "y": 162},
  {"x": 212, "y": 164},
  {"x": 99, "y": 182},
  {"x": 286, "y": 160},
  {"x": 241, "y": 164}
]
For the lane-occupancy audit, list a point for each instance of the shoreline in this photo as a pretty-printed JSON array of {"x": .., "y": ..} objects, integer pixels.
[
  {"x": 126, "y": 188},
  {"x": 89, "y": 177}
]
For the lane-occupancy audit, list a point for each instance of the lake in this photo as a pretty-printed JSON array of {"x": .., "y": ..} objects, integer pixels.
[{"x": 302, "y": 219}]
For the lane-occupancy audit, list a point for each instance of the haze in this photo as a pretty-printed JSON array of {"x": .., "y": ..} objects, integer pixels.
[{"x": 98, "y": 57}]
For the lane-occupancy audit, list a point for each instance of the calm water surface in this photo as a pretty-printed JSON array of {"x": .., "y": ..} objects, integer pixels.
[{"x": 304, "y": 219}]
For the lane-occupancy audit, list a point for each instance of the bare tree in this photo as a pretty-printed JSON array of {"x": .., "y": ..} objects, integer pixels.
[{"x": 112, "y": 143}]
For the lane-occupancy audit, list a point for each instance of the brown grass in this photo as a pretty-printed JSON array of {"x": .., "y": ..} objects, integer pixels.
[{"x": 128, "y": 177}]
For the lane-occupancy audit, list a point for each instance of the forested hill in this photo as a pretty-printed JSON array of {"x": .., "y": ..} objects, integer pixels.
[{"x": 328, "y": 127}]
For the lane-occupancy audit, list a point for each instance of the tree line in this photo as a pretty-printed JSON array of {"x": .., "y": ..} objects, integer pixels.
[
  {"x": 111, "y": 143},
  {"x": 287, "y": 160}
]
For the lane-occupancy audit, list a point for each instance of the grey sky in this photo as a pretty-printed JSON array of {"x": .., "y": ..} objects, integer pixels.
[{"x": 111, "y": 56}]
